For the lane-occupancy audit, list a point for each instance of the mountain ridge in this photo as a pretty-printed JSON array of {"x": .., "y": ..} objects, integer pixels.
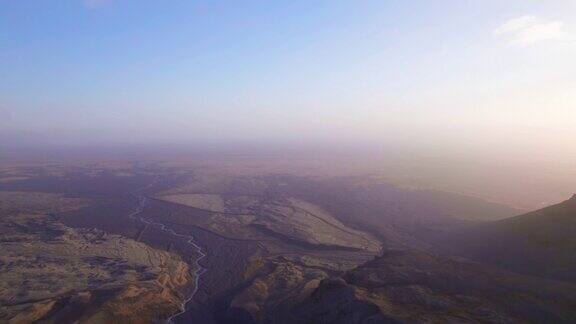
[{"x": 541, "y": 242}]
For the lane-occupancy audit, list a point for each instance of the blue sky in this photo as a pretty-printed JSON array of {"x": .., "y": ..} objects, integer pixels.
[{"x": 189, "y": 71}]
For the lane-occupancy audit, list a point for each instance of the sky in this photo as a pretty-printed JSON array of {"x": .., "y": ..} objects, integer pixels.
[{"x": 483, "y": 73}]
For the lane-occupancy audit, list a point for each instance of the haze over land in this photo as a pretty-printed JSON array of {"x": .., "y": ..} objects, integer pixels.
[
  {"x": 255, "y": 162},
  {"x": 481, "y": 91}
]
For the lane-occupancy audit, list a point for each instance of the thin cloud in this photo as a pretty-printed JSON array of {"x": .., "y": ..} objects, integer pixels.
[{"x": 529, "y": 30}]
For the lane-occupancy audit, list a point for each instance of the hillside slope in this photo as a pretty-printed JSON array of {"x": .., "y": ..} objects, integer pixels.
[
  {"x": 52, "y": 273},
  {"x": 540, "y": 243},
  {"x": 413, "y": 287}
]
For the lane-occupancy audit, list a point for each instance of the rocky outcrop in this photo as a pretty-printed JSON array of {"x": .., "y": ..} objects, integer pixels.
[
  {"x": 411, "y": 287},
  {"x": 272, "y": 290},
  {"x": 55, "y": 274}
]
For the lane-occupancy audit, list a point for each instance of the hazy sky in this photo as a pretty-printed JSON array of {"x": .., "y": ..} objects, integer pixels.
[{"x": 488, "y": 72}]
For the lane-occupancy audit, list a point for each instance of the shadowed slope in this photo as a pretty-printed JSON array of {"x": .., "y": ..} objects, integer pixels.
[
  {"x": 414, "y": 287},
  {"x": 541, "y": 243}
]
